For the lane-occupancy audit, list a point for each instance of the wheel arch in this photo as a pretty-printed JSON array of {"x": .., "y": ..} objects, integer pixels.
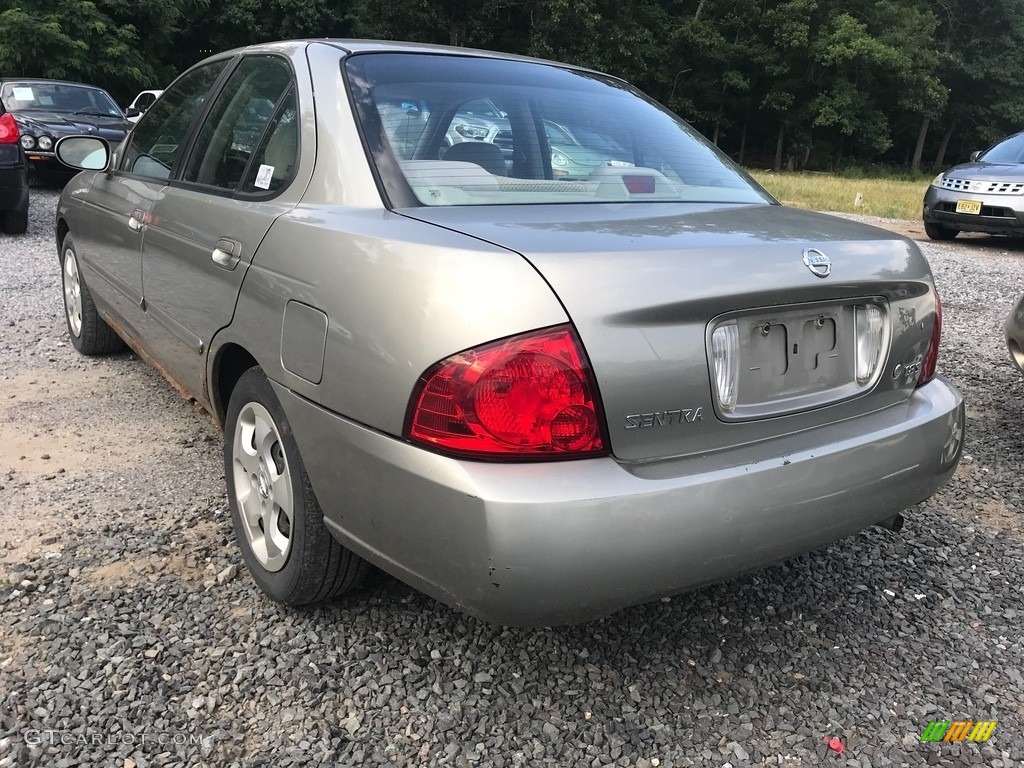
[
  {"x": 61, "y": 232},
  {"x": 230, "y": 361}
]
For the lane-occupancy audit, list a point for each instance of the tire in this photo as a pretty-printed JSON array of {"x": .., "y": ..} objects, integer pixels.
[
  {"x": 939, "y": 232},
  {"x": 15, "y": 222},
  {"x": 89, "y": 332},
  {"x": 300, "y": 562}
]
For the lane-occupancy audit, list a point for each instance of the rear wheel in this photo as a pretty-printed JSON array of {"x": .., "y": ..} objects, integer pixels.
[
  {"x": 89, "y": 332},
  {"x": 278, "y": 522},
  {"x": 939, "y": 232},
  {"x": 15, "y": 222}
]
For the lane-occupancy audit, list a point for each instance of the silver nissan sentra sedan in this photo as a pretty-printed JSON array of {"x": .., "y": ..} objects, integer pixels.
[{"x": 538, "y": 400}]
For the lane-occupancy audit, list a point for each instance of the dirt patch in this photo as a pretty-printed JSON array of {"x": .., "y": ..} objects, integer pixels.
[
  {"x": 913, "y": 230},
  {"x": 44, "y": 432},
  {"x": 128, "y": 573},
  {"x": 999, "y": 515}
]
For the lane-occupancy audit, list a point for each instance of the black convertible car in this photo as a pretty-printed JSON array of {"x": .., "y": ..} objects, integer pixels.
[{"x": 47, "y": 110}]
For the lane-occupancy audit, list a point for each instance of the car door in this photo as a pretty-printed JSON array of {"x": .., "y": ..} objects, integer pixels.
[
  {"x": 207, "y": 223},
  {"x": 119, "y": 203}
]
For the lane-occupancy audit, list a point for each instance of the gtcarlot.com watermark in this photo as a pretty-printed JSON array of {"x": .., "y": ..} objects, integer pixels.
[{"x": 49, "y": 738}]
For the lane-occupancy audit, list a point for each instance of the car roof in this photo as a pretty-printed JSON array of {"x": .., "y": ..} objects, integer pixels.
[{"x": 391, "y": 46}]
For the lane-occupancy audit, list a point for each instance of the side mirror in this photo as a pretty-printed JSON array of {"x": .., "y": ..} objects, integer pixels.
[
  {"x": 975, "y": 155},
  {"x": 132, "y": 112},
  {"x": 83, "y": 153}
]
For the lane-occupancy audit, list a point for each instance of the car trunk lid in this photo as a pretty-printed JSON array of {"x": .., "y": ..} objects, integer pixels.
[{"x": 646, "y": 285}]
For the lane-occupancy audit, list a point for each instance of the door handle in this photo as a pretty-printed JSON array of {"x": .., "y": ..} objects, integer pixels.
[
  {"x": 136, "y": 220},
  {"x": 227, "y": 253}
]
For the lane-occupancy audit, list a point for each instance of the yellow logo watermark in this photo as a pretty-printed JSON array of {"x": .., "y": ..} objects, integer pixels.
[{"x": 959, "y": 730}]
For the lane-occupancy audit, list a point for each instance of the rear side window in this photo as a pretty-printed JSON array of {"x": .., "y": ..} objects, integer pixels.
[
  {"x": 159, "y": 137},
  {"x": 461, "y": 130},
  {"x": 274, "y": 162},
  {"x": 237, "y": 123}
]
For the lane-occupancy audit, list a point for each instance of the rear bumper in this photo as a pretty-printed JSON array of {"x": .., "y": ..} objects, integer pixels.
[
  {"x": 544, "y": 544},
  {"x": 13, "y": 188},
  {"x": 1000, "y": 214}
]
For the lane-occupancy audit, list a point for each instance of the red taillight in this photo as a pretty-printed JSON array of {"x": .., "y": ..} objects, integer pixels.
[
  {"x": 528, "y": 397},
  {"x": 9, "y": 133},
  {"x": 931, "y": 357}
]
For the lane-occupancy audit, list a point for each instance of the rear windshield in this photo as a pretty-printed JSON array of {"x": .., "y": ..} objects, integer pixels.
[
  {"x": 459, "y": 130},
  {"x": 1009, "y": 150}
]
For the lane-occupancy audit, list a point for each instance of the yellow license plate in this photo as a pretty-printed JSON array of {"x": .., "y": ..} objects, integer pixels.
[{"x": 968, "y": 206}]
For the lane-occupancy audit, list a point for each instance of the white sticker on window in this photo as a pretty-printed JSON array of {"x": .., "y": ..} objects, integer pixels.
[
  {"x": 266, "y": 173},
  {"x": 22, "y": 93}
]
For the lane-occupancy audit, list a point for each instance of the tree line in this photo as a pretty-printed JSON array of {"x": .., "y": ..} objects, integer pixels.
[{"x": 806, "y": 84}]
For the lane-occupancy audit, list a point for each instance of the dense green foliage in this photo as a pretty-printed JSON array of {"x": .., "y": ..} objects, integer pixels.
[{"x": 818, "y": 84}]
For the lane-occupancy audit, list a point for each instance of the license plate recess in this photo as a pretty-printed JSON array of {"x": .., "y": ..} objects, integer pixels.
[{"x": 794, "y": 359}]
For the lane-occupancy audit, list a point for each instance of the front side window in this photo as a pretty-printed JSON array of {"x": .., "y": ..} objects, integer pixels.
[
  {"x": 237, "y": 121},
  {"x": 159, "y": 136},
  {"x": 460, "y": 130},
  {"x": 65, "y": 98}
]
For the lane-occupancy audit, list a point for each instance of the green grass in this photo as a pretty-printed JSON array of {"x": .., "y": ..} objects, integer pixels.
[{"x": 890, "y": 198}]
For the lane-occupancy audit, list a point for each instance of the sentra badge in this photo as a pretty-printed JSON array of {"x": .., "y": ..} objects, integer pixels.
[{"x": 664, "y": 418}]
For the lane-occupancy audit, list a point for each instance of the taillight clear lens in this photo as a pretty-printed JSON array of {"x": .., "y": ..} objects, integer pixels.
[
  {"x": 9, "y": 133},
  {"x": 931, "y": 357},
  {"x": 528, "y": 397},
  {"x": 725, "y": 357},
  {"x": 870, "y": 323}
]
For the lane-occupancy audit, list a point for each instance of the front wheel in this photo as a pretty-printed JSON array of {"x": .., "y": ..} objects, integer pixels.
[
  {"x": 89, "y": 332},
  {"x": 939, "y": 232},
  {"x": 278, "y": 522}
]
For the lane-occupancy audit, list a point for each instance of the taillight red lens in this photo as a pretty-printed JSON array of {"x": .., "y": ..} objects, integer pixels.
[
  {"x": 9, "y": 133},
  {"x": 528, "y": 397},
  {"x": 931, "y": 357}
]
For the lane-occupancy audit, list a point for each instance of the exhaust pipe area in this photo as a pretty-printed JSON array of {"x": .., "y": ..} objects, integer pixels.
[{"x": 894, "y": 524}]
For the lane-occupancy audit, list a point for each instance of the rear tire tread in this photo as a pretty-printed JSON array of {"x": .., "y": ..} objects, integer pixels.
[
  {"x": 318, "y": 567},
  {"x": 15, "y": 222}
]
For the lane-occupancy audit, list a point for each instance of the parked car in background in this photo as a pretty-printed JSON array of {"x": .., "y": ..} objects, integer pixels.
[
  {"x": 1015, "y": 334},
  {"x": 570, "y": 159},
  {"x": 47, "y": 110},
  {"x": 13, "y": 177},
  {"x": 537, "y": 400},
  {"x": 984, "y": 195},
  {"x": 142, "y": 102}
]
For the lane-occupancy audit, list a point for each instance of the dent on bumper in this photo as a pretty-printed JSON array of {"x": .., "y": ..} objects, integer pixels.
[{"x": 543, "y": 544}]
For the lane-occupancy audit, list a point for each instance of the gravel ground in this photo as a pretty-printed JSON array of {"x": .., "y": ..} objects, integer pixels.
[{"x": 129, "y": 636}]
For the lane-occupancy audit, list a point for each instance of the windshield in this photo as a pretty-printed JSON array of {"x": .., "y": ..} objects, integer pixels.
[
  {"x": 460, "y": 130},
  {"x": 57, "y": 97},
  {"x": 1009, "y": 150}
]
